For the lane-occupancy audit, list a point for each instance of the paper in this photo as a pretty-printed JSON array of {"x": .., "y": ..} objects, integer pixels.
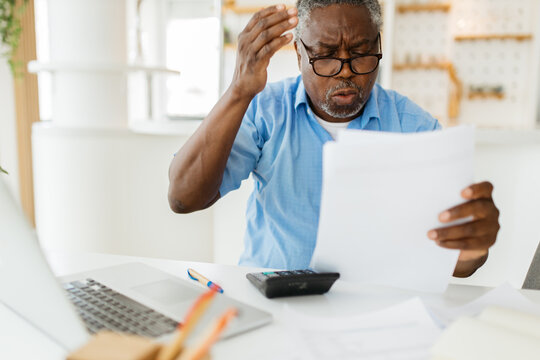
[
  {"x": 382, "y": 193},
  {"x": 404, "y": 331},
  {"x": 504, "y": 296},
  {"x": 472, "y": 339},
  {"x": 498, "y": 333}
]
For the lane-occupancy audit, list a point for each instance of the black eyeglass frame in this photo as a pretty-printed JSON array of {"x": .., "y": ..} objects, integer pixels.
[{"x": 343, "y": 61}]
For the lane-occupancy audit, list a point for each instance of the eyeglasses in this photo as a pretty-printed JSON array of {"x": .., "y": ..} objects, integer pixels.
[{"x": 329, "y": 66}]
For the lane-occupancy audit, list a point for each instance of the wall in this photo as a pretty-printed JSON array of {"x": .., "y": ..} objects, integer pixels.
[
  {"x": 105, "y": 190},
  {"x": 8, "y": 133}
]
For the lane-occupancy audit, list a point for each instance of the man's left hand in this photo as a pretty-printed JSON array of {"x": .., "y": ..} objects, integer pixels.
[{"x": 474, "y": 237}]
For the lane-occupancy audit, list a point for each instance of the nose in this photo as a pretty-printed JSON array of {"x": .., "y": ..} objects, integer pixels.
[{"x": 346, "y": 71}]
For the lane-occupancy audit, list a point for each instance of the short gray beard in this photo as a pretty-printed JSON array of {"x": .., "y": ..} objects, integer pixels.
[{"x": 343, "y": 112}]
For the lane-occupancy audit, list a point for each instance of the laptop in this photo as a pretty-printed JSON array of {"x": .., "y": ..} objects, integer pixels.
[{"x": 133, "y": 298}]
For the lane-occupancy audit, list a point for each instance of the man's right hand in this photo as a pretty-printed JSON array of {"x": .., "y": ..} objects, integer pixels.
[{"x": 257, "y": 43}]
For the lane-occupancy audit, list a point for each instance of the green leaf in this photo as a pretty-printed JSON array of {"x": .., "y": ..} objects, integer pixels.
[
  {"x": 3, "y": 171},
  {"x": 10, "y": 32}
]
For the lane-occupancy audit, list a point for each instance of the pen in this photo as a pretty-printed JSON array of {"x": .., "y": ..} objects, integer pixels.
[
  {"x": 170, "y": 351},
  {"x": 199, "y": 350},
  {"x": 198, "y": 277}
]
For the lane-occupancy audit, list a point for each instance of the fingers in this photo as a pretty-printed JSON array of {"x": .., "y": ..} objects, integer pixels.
[
  {"x": 258, "y": 16},
  {"x": 472, "y": 238},
  {"x": 270, "y": 48},
  {"x": 477, "y": 209},
  {"x": 272, "y": 33},
  {"x": 479, "y": 244},
  {"x": 477, "y": 228},
  {"x": 266, "y": 28},
  {"x": 259, "y": 40},
  {"x": 481, "y": 190}
]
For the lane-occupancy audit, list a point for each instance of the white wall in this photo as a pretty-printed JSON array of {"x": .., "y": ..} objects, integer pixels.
[
  {"x": 8, "y": 134},
  {"x": 104, "y": 190}
]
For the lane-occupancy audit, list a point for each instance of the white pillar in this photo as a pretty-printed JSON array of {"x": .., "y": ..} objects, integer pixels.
[{"x": 90, "y": 38}]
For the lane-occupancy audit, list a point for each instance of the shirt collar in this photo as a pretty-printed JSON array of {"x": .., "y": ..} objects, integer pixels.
[
  {"x": 300, "y": 96},
  {"x": 371, "y": 108}
]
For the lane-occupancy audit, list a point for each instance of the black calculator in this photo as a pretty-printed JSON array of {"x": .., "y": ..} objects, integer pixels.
[{"x": 292, "y": 283}]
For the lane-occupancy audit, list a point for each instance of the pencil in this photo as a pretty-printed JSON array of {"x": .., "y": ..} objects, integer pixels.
[
  {"x": 170, "y": 351},
  {"x": 199, "y": 351}
]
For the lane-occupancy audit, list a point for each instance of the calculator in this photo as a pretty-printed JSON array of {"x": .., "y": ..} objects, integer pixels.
[{"x": 292, "y": 283}]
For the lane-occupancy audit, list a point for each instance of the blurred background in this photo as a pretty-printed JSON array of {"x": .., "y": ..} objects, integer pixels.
[{"x": 100, "y": 94}]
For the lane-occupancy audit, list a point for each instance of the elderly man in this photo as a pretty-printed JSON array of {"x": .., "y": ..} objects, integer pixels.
[{"x": 276, "y": 133}]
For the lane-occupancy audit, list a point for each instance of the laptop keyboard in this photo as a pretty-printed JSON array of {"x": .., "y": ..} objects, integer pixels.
[{"x": 102, "y": 308}]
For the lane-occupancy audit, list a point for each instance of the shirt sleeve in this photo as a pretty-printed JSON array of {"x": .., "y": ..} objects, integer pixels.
[
  {"x": 416, "y": 119},
  {"x": 245, "y": 152}
]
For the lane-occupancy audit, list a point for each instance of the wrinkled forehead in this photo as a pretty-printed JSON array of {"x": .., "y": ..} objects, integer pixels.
[{"x": 338, "y": 24}]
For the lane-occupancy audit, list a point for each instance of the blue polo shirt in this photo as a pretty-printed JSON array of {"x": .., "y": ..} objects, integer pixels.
[{"x": 280, "y": 143}]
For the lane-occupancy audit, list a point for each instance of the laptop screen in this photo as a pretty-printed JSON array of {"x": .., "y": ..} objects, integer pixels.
[{"x": 29, "y": 288}]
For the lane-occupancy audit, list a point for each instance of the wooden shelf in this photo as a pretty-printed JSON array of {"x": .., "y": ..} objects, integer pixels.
[
  {"x": 485, "y": 95},
  {"x": 457, "y": 92},
  {"x": 405, "y": 8},
  {"x": 472, "y": 37},
  {"x": 423, "y": 66}
]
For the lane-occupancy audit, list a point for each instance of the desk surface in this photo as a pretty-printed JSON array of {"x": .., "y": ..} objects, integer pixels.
[{"x": 342, "y": 300}]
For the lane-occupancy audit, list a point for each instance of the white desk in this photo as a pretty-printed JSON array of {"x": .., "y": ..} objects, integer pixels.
[{"x": 19, "y": 341}]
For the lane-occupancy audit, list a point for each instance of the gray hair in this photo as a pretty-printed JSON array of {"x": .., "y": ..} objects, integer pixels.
[{"x": 306, "y": 6}]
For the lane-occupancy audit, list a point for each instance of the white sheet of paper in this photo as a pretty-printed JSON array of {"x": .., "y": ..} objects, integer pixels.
[
  {"x": 382, "y": 193},
  {"x": 403, "y": 331},
  {"x": 504, "y": 295}
]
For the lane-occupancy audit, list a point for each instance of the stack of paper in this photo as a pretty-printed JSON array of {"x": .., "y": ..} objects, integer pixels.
[
  {"x": 382, "y": 193},
  {"x": 407, "y": 331},
  {"x": 496, "y": 334},
  {"x": 401, "y": 332},
  {"x": 503, "y": 296}
]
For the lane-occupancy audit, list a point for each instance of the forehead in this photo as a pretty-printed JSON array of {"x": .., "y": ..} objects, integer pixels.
[{"x": 339, "y": 22}]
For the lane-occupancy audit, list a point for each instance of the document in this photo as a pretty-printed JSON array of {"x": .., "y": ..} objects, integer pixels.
[
  {"x": 381, "y": 194},
  {"x": 498, "y": 333},
  {"x": 403, "y": 331},
  {"x": 503, "y": 296}
]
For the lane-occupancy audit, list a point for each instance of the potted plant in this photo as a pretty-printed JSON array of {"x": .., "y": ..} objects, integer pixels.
[{"x": 10, "y": 30}]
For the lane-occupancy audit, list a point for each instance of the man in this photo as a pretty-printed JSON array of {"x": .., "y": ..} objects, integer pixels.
[{"x": 276, "y": 133}]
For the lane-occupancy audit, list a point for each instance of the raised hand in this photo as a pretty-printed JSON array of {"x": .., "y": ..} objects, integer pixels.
[{"x": 257, "y": 43}]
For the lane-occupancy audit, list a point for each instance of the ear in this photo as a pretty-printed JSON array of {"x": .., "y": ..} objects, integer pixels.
[{"x": 298, "y": 55}]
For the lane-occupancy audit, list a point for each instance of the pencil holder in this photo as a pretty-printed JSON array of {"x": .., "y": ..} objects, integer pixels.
[{"x": 107, "y": 345}]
